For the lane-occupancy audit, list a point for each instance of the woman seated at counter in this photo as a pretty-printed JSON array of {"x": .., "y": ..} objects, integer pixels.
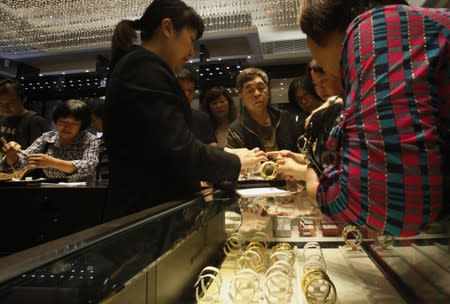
[{"x": 68, "y": 152}]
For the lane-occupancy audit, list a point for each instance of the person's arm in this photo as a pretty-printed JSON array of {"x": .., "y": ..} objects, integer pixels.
[
  {"x": 312, "y": 183},
  {"x": 44, "y": 161},
  {"x": 85, "y": 166}
]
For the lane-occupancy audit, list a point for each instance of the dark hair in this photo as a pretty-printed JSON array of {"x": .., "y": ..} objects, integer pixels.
[
  {"x": 97, "y": 108},
  {"x": 305, "y": 83},
  {"x": 12, "y": 86},
  {"x": 123, "y": 37},
  {"x": 213, "y": 94},
  {"x": 73, "y": 108},
  {"x": 319, "y": 18},
  {"x": 186, "y": 74},
  {"x": 248, "y": 75},
  {"x": 176, "y": 10}
]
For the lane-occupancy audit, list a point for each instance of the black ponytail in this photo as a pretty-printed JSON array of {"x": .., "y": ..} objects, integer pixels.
[{"x": 123, "y": 37}]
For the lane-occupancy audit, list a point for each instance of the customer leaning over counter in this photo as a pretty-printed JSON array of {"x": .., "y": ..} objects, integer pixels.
[{"x": 392, "y": 141}]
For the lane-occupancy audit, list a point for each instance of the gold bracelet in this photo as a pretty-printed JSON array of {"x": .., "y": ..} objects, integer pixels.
[
  {"x": 318, "y": 275},
  {"x": 268, "y": 170},
  {"x": 354, "y": 231},
  {"x": 281, "y": 247}
]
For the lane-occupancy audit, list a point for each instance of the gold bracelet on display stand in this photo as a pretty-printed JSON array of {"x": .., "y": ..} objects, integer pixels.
[
  {"x": 354, "y": 231},
  {"x": 317, "y": 276}
]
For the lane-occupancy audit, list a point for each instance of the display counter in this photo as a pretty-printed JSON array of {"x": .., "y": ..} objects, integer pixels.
[
  {"x": 157, "y": 255},
  {"x": 34, "y": 213}
]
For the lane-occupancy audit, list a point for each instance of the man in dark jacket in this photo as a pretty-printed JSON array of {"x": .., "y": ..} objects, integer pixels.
[
  {"x": 261, "y": 125},
  {"x": 17, "y": 123},
  {"x": 201, "y": 123}
]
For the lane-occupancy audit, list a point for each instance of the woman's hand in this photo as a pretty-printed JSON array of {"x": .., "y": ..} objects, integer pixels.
[
  {"x": 11, "y": 149},
  {"x": 249, "y": 158},
  {"x": 290, "y": 169},
  {"x": 298, "y": 157},
  {"x": 43, "y": 161}
]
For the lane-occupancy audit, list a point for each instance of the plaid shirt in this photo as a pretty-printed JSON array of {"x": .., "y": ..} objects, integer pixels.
[
  {"x": 83, "y": 153},
  {"x": 396, "y": 74}
]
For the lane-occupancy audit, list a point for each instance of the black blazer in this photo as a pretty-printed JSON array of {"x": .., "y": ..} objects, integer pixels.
[{"x": 153, "y": 155}]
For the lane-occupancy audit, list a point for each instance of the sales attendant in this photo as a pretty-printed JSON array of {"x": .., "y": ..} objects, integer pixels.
[{"x": 154, "y": 157}]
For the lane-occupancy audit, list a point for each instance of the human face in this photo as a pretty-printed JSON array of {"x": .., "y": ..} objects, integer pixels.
[
  {"x": 328, "y": 56},
  {"x": 97, "y": 123},
  {"x": 68, "y": 128},
  {"x": 10, "y": 105},
  {"x": 188, "y": 88},
  {"x": 255, "y": 95},
  {"x": 325, "y": 86},
  {"x": 306, "y": 101},
  {"x": 179, "y": 47},
  {"x": 219, "y": 108}
]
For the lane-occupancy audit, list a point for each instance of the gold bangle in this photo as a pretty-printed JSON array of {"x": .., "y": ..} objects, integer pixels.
[
  {"x": 268, "y": 170},
  {"x": 316, "y": 276},
  {"x": 281, "y": 246},
  {"x": 354, "y": 231}
]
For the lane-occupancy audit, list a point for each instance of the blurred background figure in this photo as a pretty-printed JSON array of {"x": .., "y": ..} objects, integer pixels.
[
  {"x": 97, "y": 112},
  {"x": 221, "y": 109},
  {"x": 201, "y": 124},
  {"x": 302, "y": 101},
  {"x": 17, "y": 123}
]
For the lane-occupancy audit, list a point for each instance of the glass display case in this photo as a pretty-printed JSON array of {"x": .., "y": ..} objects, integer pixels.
[{"x": 222, "y": 248}]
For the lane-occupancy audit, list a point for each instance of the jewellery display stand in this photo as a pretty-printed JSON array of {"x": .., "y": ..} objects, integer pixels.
[{"x": 353, "y": 279}]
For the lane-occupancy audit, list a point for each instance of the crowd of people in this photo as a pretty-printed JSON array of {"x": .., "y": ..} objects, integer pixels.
[{"x": 366, "y": 129}]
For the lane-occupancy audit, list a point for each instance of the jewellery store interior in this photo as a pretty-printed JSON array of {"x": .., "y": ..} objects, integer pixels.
[{"x": 226, "y": 151}]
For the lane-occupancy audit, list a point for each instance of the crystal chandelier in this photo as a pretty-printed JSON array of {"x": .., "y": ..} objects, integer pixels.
[{"x": 28, "y": 26}]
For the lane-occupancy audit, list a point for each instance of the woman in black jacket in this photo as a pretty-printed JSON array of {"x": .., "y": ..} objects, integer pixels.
[{"x": 154, "y": 157}]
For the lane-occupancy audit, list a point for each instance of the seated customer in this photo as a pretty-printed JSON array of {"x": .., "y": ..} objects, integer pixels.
[
  {"x": 220, "y": 106},
  {"x": 67, "y": 152},
  {"x": 201, "y": 125},
  {"x": 260, "y": 125},
  {"x": 17, "y": 123}
]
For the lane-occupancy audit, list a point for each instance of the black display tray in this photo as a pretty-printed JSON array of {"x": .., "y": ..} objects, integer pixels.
[{"x": 256, "y": 183}]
